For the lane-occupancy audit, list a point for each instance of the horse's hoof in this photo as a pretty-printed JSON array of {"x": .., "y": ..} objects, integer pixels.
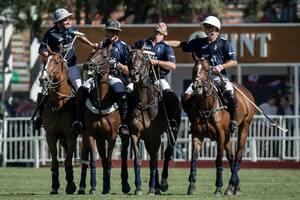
[
  {"x": 237, "y": 190},
  {"x": 151, "y": 191},
  {"x": 53, "y": 192},
  {"x": 218, "y": 192},
  {"x": 191, "y": 189},
  {"x": 138, "y": 192},
  {"x": 92, "y": 191},
  {"x": 229, "y": 190},
  {"x": 81, "y": 191},
  {"x": 125, "y": 188},
  {"x": 164, "y": 185},
  {"x": 71, "y": 188},
  {"x": 105, "y": 192},
  {"x": 157, "y": 191}
]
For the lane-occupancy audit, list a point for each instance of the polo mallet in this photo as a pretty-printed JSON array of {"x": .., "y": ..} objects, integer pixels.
[{"x": 257, "y": 108}]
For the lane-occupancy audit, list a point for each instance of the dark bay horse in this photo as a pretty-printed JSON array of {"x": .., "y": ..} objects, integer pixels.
[
  {"x": 148, "y": 121},
  {"x": 57, "y": 119},
  {"x": 209, "y": 118},
  {"x": 102, "y": 122}
]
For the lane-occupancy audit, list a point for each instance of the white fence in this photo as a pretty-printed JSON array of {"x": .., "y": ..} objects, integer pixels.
[{"x": 20, "y": 144}]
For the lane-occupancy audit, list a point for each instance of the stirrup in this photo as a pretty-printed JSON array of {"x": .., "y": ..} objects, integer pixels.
[
  {"x": 76, "y": 127},
  {"x": 233, "y": 126},
  {"x": 123, "y": 130}
]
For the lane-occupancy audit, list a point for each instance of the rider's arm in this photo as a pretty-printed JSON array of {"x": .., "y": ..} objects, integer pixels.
[
  {"x": 88, "y": 42},
  {"x": 123, "y": 68},
  {"x": 44, "y": 55},
  {"x": 165, "y": 64},
  {"x": 173, "y": 43},
  {"x": 229, "y": 64},
  {"x": 169, "y": 64}
]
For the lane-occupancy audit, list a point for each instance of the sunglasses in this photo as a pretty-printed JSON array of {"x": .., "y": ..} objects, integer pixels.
[{"x": 208, "y": 26}]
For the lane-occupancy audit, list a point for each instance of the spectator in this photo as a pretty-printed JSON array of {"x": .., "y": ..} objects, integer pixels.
[
  {"x": 284, "y": 106},
  {"x": 269, "y": 107}
]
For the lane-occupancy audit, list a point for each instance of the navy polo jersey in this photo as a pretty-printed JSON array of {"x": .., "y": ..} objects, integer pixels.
[
  {"x": 217, "y": 52},
  {"x": 118, "y": 53},
  {"x": 60, "y": 41},
  {"x": 162, "y": 52}
]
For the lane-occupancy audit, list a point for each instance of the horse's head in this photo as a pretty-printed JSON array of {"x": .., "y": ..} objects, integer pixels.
[
  {"x": 57, "y": 70},
  {"x": 201, "y": 73},
  {"x": 138, "y": 64},
  {"x": 97, "y": 63}
]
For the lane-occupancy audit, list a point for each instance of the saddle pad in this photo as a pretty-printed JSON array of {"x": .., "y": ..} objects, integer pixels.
[{"x": 95, "y": 110}]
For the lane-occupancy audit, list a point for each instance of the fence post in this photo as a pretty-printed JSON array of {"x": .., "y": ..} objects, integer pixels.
[
  {"x": 253, "y": 153},
  {"x": 4, "y": 142},
  {"x": 36, "y": 152}
]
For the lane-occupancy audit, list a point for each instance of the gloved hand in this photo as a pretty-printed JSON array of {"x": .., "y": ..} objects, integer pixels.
[
  {"x": 113, "y": 64},
  {"x": 217, "y": 69}
]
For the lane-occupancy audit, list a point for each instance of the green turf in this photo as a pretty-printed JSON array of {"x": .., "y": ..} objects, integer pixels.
[{"x": 30, "y": 183}]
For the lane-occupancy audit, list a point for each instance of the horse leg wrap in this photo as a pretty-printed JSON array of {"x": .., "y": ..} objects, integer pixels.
[
  {"x": 84, "y": 168},
  {"x": 69, "y": 174},
  {"x": 106, "y": 179},
  {"x": 55, "y": 178},
  {"x": 193, "y": 171},
  {"x": 152, "y": 177},
  {"x": 219, "y": 179},
  {"x": 137, "y": 173},
  {"x": 234, "y": 179},
  {"x": 93, "y": 180}
]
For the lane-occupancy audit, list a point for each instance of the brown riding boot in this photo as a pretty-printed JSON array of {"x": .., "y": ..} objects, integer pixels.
[{"x": 232, "y": 105}]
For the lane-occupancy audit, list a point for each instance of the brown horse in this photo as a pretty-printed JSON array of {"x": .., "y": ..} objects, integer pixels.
[
  {"x": 57, "y": 119},
  {"x": 148, "y": 120},
  {"x": 209, "y": 118},
  {"x": 102, "y": 121}
]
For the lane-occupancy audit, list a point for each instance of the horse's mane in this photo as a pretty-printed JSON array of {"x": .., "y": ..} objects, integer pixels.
[{"x": 57, "y": 65}]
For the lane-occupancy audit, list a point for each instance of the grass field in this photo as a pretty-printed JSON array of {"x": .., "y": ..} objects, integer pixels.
[{"x": 30, "y": 183}]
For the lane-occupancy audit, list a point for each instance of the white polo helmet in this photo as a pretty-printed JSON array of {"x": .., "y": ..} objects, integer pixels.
[
  {"x": 212, "y": 20},
  {"x": 61, "y": 14}
]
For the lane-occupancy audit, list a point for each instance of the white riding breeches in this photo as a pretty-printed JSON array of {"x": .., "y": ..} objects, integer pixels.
[
  {"x": 163, "y": 84},
  {"x": 75, "y": 76},
  {"x": 217, "y": 80}
]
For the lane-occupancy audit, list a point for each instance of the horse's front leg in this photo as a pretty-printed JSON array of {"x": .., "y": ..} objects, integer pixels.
[
  {"x": 152, "y": 147},
  {"x": 124, "y": 167},
  {"x": 165, "y": 172},
  {"x": 218, "y": 163},
  {"x": 85, "y": 151},
  {"x": 71, "y": 187},
  {"x": 242, "y": 139},
  {"x": 230, "y": 158},
  {"x": 93, "y": 157},
  {"x": 137, "y": 164},
  {"x": 54, "y": 165},
  {"x": 193, "y": 169},
  {"x": 105, "y": 165}
]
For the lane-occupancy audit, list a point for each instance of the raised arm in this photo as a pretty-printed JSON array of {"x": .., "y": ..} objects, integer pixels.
[
  {"x": 88, "y": 42},
  {"x": 173, "y": 43}
]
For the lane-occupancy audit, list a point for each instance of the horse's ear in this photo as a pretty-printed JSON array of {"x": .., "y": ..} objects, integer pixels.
[
  {"x": 195, "y": 57},
  {"x": 143, "y": 47},
  {"x": 49, "y": 49},
  {"x": 128, "y": 47}
]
